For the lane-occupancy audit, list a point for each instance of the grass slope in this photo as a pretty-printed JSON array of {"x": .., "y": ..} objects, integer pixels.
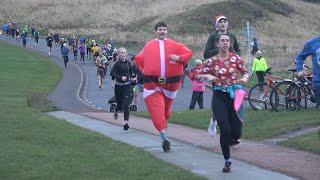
[{"x": 37, "y": 146}]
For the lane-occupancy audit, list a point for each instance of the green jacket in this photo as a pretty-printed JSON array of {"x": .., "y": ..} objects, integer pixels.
[
  {"x": 259, "y": 64},
  {"x": 211, "y": 45}
]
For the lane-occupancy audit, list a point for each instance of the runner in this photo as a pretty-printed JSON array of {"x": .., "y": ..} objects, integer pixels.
[
  {"x": 221, "y": 24},
  {"x": 24, "y": 38},
  {"x": 56, "y": 38},
  {"x": 82, "y": 49},
  {"x": 138, "y": 84},
  {"x": 49, "y": 41},
  {"x": 5, "y": 28},
  {"x": 222, "y": 70},
  {"x": 32, "y": 30},
  {"x": 65, "y": 54},
  {"x": 36, "y": 37},
  {"x": 18, "y": 35},
  {"x": 162, "y": 62},
  {"x": 122, "y": 72},
  {"x": 100, "y": 63},
  {"x": 95, "y": 48},
  {"x": 88, "y": 46},
  {"x": 75, "y": 49}
]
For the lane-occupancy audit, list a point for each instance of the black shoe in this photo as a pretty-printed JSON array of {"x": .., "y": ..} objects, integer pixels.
[
  {"x": 115, "y": 115},
  {"x": 234, "y": 142},
  {"x": 227, "y": 167},
  {"x": 126, "y": 127},
  {"x": 166, "y": 146}
]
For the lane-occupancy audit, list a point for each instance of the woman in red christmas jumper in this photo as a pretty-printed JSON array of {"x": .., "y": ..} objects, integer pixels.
[
  {"x": 223, "y": 70},
  {"x": 162, "y": 62}
]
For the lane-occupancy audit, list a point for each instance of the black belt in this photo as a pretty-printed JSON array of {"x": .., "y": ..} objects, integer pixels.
[{"x": 162, "y": 80}]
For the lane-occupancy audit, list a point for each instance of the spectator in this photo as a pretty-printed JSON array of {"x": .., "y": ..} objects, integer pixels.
[
  {"x": 259, "y": 66},
  {"x": 198, "y": 86},
  {"x": 255, "y": 46}
]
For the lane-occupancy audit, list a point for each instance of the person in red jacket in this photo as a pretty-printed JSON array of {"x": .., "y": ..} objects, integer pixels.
[{"x": 162, "y": 62}]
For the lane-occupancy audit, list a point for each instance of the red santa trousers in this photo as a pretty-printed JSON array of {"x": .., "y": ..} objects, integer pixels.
[{"x": 159, "y": 107}]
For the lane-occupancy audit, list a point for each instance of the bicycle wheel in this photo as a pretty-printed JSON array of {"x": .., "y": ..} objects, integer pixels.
[
  {"x": 293, "y": 97},
  {"x": 285, "y": 95},
  {"x": 258, "y": 96},
  {"x": 307, "y": 94}
]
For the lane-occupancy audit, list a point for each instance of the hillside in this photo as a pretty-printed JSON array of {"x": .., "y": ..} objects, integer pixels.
[{"x": 281, "y": 25}]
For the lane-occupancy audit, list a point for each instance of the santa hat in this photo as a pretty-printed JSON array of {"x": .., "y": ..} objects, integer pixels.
[{"x": 218, "y": 18}]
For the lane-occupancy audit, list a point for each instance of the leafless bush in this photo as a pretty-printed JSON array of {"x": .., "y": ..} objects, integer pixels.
[{"x": 40, "y": 102}]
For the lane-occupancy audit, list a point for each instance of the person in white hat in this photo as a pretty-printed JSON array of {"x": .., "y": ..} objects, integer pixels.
[{"x": 221, "y": 24}]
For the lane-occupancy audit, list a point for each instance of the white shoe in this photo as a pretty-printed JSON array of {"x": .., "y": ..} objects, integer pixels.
[{"x": 212, "y": 129}]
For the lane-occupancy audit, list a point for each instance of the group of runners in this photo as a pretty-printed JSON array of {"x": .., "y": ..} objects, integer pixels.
[{"x": 162, "y": 62}]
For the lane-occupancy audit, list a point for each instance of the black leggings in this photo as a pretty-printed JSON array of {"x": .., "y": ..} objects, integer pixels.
[
  {"x": 196, "y": 97},
  {"x": 260, "y": 75},
  {"x": 227, "y": 119},
  {"x": 65, "y": 60},
  {"x": 123, "y": 98},
  {"x": 82, "y": 57}
]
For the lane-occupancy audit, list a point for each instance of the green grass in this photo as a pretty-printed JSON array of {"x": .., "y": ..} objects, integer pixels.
[
  {"x": 308, "y": 142},
  {"x": 36, "y": 146},
  {"x": 258, "y": 125}
]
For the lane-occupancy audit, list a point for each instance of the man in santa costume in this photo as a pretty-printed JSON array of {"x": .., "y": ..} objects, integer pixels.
[{"x": 162, "y": 62}]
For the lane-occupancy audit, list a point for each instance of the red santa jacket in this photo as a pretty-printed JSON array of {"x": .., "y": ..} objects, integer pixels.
[{"x": 153, "y": 60}]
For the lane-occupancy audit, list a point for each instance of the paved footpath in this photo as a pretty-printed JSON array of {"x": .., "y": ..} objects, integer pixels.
[
  {"x": 198, "y": 161},
  {"x": 254, "y": 157}
]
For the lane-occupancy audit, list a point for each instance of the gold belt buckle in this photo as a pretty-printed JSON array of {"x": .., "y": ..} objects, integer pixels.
[{"x": 162, "y": 80}]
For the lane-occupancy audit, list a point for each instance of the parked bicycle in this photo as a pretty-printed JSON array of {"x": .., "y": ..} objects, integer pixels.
[
  {"x": 259, "y": 94},
  {"x": 292, "y": 94}
]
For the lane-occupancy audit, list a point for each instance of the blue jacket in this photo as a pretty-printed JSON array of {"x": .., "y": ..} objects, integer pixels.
[
  {"x": 5, "y": 27},
  {"x": 64, "y": 51},
  {"x": 311, "y": 47}
]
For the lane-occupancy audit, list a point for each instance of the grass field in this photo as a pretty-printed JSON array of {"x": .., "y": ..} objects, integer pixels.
[
  {"x": 308, "y": 142},
  {"x": 258, "y": 125},
  {"x": 36, "y": 146}
]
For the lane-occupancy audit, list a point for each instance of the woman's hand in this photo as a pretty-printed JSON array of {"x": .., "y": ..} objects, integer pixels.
[
  {"x": 174, "y": 58},
  {"x": 207, "y": 77},
  {"x": 242, "y": 80},
  {"x": 124, "y": 78}
]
